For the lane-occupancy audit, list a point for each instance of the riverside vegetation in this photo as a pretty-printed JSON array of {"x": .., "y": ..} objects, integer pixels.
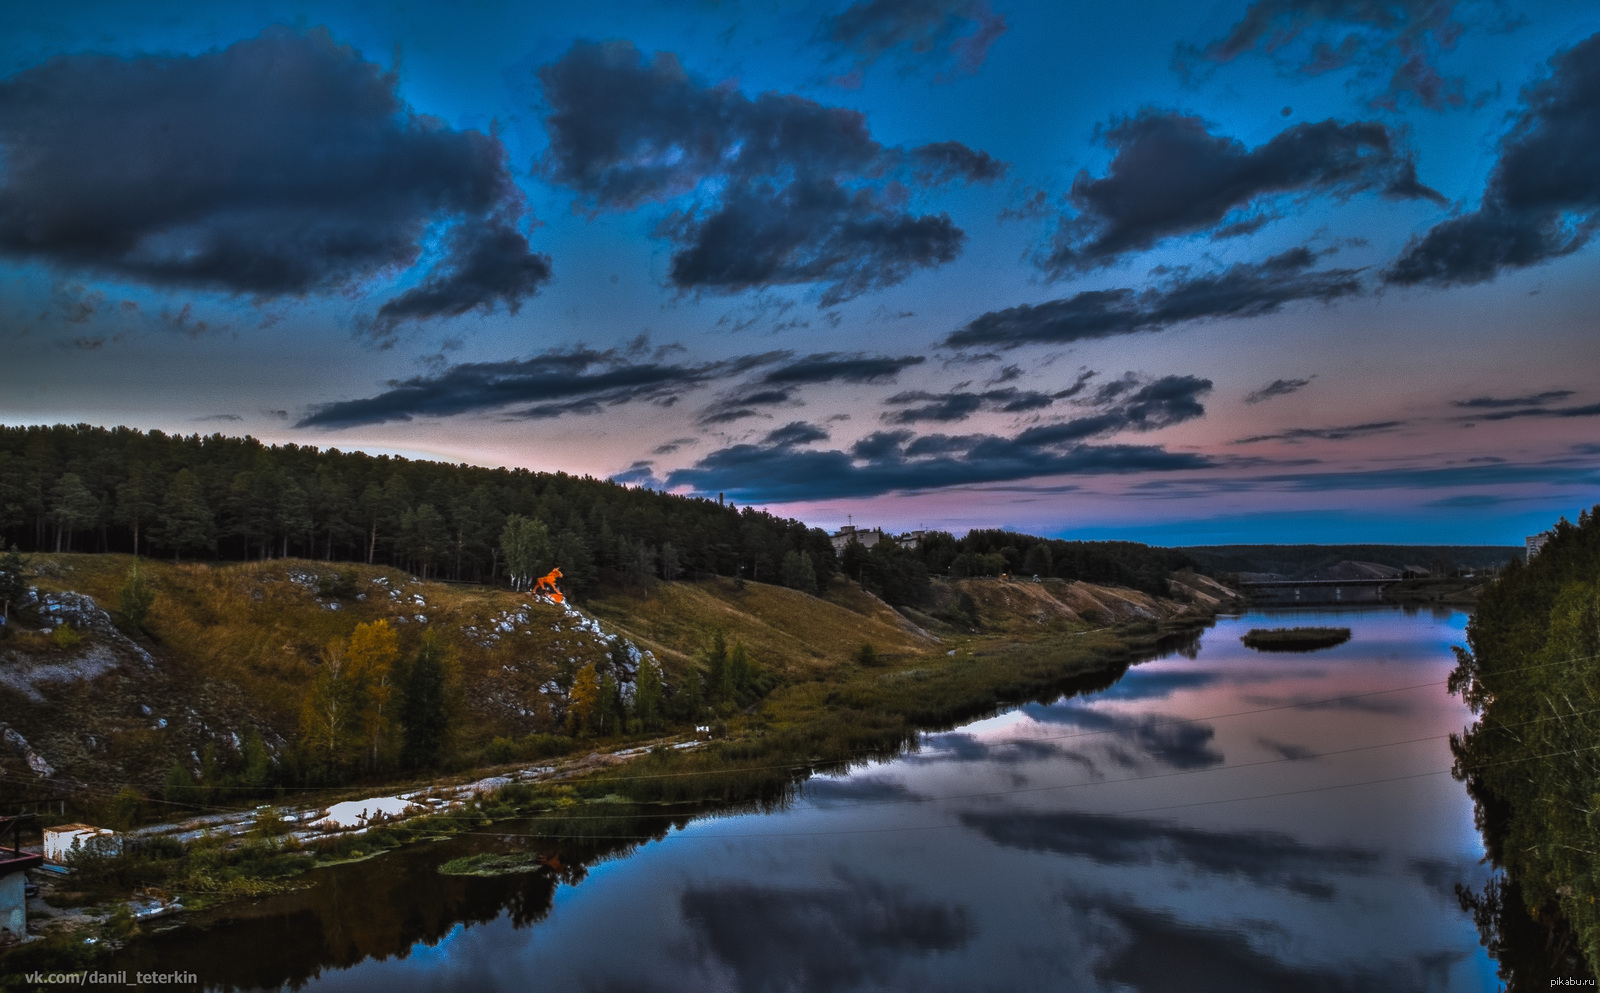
[
  {"x": 142, "y": 690},
  {"x": 1531, "y": 672},
  {"x": 786, "y": 681}
]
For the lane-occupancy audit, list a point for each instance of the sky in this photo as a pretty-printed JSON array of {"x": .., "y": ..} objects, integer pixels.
[{"x": 1282, "y": 271}]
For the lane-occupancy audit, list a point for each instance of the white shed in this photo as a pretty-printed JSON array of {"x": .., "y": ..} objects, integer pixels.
[{"x": 58, "y": 840}]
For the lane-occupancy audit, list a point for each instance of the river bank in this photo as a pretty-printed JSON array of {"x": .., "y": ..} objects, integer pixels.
[
  {"x": 626, "y": 788},
  {"x": 1066, "y": 842}
]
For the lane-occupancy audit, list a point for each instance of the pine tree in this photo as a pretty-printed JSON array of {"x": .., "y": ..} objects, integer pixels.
[
  {"x": 719, "y": 681},
  {"x": 689, "y": 702},
  {"x": 741, "y": 673},
  {"x": 257, "y": 761},
  {"x": 423, "y": 714},
  {"x": 179, "y": 786},
  {"x": 424, "y": 537},
  {"x": 293, "y": 517},
  {"x": 186, "y": 521},
  {"x": 610, "y": 715},
  {"x": 137, "y": 506},
  {"x": 72, "y": 508},
  {"x": 799, "y": 573},
  {"x": 526, "y": 543},
  {"x": 135, "y": 598},
  {"x": 13, "y": 581},
  {"x": 647, "y": 696}
]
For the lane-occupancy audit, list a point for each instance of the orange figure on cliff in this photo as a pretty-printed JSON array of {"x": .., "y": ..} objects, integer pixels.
[{"x": 548, "y": 582}]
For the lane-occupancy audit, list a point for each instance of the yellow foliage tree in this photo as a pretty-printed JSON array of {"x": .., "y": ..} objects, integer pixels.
[
  {"x": 584, "y": 700},
  {"x": 374, "y": 649}
]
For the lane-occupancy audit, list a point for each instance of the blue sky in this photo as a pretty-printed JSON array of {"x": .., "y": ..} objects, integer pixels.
[{"x": 1282, "y": 271}]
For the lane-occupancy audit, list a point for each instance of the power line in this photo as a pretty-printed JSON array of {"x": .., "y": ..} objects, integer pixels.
[
  {"x": 1114, "y": 813},
  {"x": 1304, "y": 704}
]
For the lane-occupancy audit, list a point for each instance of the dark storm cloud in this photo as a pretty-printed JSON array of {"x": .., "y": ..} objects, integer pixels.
[
  {"x": 488, "y": 263},
  {"x": 1404, "y": 39},
  {"x": 637, "y": 474},
  {"x": 1587, "y": 410},
  {"x": 960, "y": 405},
  {"x": 1260, "y": 856},
  {"x": 1358, "y": 704},
  {"x": 1214, "y": 960},
  {"x": 795, "y": 433},
  {"x": 949, "y": 161},
  {"x": 1177, "y": 744},
  {"x": 1170, "y": 176},
  {"x": 823, "y": 938},
  {"x": 1326, "y": 434},
  {"x": 281, "y": 165},
  {"x": 786, "y": 190},
  {"x": 828, "y": 792},
  {"x": 1543, "y": 197},
  {"x": 887, "y": 462},
  {"x": 581, "y": 380},
  {"x": 1563, "y": 471},
  {"x": 667, "y": 448},
  {"x": 848, "y": 367},
  {"x": 950, "y": 36},
  {"x": 1287, "y": 750},
  {"x": 1245, "y": 289},
  {"x": 1147, "y": 684},
  {"x": 1495, "y": 403},
  {"x": 884, "y": 461},
  {"x": 781, "y": 383},
  {"x": 1278, "y": 388}
]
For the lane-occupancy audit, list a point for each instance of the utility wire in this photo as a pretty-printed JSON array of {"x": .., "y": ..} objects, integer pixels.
[{"x": 1303, "y": 704}]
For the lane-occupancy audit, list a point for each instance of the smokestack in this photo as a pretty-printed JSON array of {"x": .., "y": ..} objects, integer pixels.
[{"x": 719, "y": 499}]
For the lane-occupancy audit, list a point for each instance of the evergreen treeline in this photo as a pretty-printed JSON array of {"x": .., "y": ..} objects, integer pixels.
[
  {"x": 90, "y": 489},
  {"x": 1112, "y": 563},
  {"x": 1299, "y": 561},
  {"x": 900, "y": 574},
  {"x": 1532, "y": 760}
]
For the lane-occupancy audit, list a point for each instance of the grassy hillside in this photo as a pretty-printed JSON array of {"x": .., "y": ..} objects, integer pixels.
[
  {"x": 232, "y": 651},
  {"x": 795, "y": 635}
]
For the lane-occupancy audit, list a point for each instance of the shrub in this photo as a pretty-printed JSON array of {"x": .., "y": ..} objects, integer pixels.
[{"x": 135, "y": 598}]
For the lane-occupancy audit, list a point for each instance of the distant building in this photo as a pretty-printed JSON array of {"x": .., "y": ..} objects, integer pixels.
[
  {"x": 871, "y": 536},
  {"x": 1536, "y": 542},
  {"x": 845, "y": 535}
]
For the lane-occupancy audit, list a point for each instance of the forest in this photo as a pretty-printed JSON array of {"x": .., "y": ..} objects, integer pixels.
[
  {"x": 91, "y": 489},
  {"x": 1532, "y": 674}
]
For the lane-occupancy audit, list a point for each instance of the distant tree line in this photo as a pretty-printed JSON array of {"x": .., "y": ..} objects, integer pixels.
[
  {"x": 900, "y": 573},
  {"x": 1299, "y": 561},
  {"x": 90, "y": 489}
]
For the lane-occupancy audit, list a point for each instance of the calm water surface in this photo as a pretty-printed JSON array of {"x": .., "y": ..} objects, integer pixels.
[{"x": 1219, "y": 819}]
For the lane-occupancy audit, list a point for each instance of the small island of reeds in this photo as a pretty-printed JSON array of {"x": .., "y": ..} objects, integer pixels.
[{"x": 1294, "y": 639}]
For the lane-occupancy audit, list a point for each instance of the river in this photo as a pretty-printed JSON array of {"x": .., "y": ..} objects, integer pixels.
[{"x": 1218, "y": 819}]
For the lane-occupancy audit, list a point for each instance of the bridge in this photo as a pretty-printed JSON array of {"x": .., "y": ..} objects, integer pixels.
[{"x": 1268, "y": 584}]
